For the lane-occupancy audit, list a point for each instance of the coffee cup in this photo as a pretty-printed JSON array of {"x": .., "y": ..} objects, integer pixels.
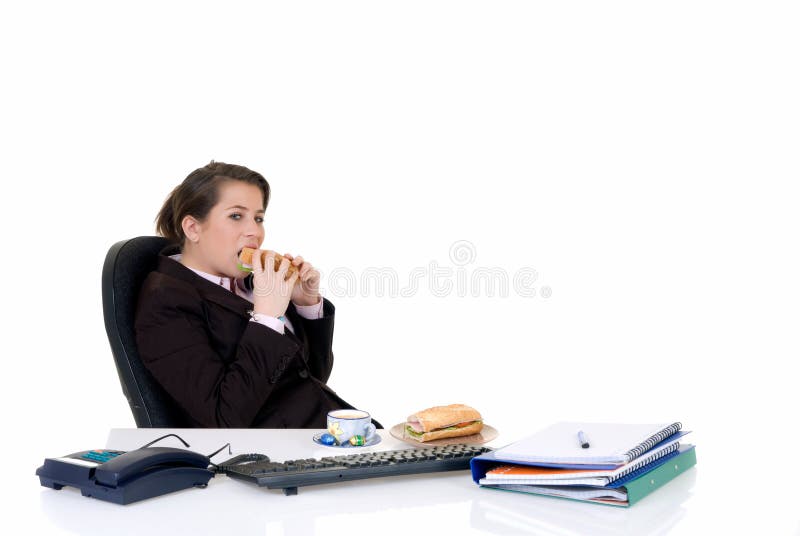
[{"x": 351, "y": 424}]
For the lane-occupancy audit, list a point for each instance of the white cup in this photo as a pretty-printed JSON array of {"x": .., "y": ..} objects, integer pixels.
[{"x": 343, "y": 424}]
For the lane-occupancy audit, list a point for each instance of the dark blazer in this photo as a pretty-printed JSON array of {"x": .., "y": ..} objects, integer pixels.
[{"x": 223, "y": 370}]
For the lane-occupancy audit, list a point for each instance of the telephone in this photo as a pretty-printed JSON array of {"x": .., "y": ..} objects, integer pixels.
[{"x": 126, "y": 477}]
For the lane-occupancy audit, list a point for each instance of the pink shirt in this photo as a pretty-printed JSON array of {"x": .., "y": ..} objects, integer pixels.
[{"x": 312, "y": 312}]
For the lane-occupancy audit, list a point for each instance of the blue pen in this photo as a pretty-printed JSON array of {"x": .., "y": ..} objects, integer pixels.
[{"x": 583, "y": 440}]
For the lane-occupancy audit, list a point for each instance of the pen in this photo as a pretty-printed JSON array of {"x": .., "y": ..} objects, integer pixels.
[{"x": 583, "y": 440}]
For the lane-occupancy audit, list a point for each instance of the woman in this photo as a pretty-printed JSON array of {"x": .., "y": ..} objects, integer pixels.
[{"x": 229, "y": 353}]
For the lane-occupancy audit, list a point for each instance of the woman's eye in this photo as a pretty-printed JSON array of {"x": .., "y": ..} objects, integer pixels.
[
  {"x": 236, "y": 216},
  {"x": 259, "y": 219}
]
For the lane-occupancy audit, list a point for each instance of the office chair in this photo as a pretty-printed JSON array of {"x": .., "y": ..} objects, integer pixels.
[{"x": 127, "y": 264}]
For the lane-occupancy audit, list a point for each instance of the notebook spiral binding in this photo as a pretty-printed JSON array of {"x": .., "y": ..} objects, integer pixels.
[
  {"x": 653, "y": 440},
  {"x": 646, "y": 461}
]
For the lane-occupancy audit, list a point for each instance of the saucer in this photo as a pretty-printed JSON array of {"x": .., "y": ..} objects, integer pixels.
[{"x": 374, "y": 441}]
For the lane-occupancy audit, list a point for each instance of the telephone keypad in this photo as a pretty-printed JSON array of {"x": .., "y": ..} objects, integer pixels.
[{"x": 100, "y": 456}]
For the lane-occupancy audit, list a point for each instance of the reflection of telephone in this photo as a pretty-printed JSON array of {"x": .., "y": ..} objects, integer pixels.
[{"x": 126, "y": 477}]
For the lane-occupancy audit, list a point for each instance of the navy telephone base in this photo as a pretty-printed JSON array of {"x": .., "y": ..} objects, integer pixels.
[{"x": 126, "y": 477}]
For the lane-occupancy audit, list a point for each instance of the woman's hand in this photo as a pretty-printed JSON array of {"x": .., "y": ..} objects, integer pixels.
[
  {"x": 271, "y": 289},
  {"x": 306, "y": 292}
]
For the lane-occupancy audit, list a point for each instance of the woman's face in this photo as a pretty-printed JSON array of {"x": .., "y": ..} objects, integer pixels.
[{"x": 235, "y": 222}]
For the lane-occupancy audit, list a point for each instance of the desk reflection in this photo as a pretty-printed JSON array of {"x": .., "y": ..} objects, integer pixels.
[
  {"x": 519, "y": 513},
  {"x": 231, "y": 507}
]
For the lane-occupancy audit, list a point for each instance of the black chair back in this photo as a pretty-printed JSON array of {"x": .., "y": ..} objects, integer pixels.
[{"x": 127, "y": 264}]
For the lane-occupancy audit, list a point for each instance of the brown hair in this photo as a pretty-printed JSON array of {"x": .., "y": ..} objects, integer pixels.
[{"x": 197, "y": 195}]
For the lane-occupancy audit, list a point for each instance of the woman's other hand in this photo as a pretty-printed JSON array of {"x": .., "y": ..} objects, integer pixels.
[{"x": 306, "y": 292}]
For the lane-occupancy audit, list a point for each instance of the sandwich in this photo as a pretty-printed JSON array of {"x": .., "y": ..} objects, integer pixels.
[
  {"x": 439, "y": 422},
  {"x": 246, "y": 261}
]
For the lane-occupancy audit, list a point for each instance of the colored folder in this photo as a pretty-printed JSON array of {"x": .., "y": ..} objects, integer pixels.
[
  {"x": 555, "y": 476},
  {"x": 634, "y": 486}
]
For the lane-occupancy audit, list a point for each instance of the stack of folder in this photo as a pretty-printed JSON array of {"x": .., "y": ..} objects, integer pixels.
[{"x": 613, "y": 464}]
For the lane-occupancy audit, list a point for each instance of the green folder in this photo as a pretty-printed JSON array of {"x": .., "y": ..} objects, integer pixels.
[
  {"x": 641, "y": 486},
  {"x": 646, "y": 484}
]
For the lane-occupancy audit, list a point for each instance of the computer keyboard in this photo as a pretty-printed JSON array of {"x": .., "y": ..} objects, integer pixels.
[{"x": 291, "y": 474}]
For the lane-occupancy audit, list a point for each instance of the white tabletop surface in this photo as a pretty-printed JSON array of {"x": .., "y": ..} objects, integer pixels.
[{"x": 443, "y": 503}]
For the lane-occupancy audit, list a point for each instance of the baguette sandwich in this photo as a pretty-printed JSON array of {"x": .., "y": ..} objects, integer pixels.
[
  {"x": 246, "y": 261},
  {"x": 439, "y": 422}
]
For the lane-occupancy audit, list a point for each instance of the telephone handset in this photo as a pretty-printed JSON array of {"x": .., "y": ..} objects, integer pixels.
[
  {"x": 137, "y": 463},
  {"x": 126, "y": 477}
]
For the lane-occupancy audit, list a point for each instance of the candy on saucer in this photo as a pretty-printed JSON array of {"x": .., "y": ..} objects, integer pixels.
[
  {"x": 357, "y": 440},
  {"x": 327, "y": 439},
  {"x": 362, "y": 441}
]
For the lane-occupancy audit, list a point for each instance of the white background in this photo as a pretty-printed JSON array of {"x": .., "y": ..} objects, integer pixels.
[{"x": 640, "y": 157}]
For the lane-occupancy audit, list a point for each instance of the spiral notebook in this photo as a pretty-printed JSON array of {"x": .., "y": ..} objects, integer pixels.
[
  {"x": 552, "y": 476},
  {"x": 610, "y": 444}
]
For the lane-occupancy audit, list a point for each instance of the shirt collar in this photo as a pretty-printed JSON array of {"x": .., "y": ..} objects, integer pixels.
[{"x": 216, "y": 279}]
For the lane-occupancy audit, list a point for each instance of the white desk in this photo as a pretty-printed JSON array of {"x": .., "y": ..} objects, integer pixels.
[{"x": 443, "y": 503}]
